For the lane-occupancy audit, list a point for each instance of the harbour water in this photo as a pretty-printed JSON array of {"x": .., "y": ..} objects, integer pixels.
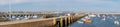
[
  {"x": 99, "y": 21},
  {"x": 96, "y": 21}
]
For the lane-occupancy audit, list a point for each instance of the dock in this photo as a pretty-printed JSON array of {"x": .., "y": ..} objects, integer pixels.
[{"x": 61, "y": 21}]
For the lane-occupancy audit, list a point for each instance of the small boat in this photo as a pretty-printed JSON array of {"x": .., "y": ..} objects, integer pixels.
[
  {"x": 12, "y": 19},
  {"x": 87, "y": 21},
  {"x": 13, "y": 16},
  {"x": 69, "y": 14},
  {"x": 103, "y": 16},
  {"x": 17, "y": 18},
  {"x": 87, "y": 17},
  {"x": 92, "y": 15},
  {"x": 98, "y": 15},
  {"x": 83, "y": 19},
  {"x": 116, "y": 22},
  {"x": 80, "y": 22},
  {"x": 103, "y": 19},
  {"x": 35, "y": 16}
]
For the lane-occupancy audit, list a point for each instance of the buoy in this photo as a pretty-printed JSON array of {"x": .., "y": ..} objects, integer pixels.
[{"x": 87, "y": 21}]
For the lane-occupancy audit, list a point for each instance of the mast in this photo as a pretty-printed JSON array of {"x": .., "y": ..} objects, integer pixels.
[{"x": 9, "y": 8}]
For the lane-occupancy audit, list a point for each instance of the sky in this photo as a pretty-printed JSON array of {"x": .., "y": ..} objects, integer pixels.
[{"x": 60, "y": 5}]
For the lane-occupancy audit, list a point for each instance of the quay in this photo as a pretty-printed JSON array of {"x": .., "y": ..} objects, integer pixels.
[{"x": 61, "y": 21}]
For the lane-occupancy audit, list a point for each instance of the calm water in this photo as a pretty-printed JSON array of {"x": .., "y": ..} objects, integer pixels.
[{"x": 99, "y": 22}]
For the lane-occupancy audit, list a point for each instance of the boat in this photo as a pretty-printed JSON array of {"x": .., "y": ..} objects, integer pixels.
[
  {"x": 98, "y": 15},
  {"x": 116, "y": 22},
  {"x": 81, "y": 22},
  {"x": 87, "y": 21},
  {"x": 92, "y": 15},
  {"x": 87, "y": 17},
  {"x": 103, "y": 19},
  {"x": 103, "y": 16},
  {"x": 35, "y": 16}
]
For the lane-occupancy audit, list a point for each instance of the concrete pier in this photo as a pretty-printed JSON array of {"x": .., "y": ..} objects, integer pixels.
[{"x": 47, "y": 22}]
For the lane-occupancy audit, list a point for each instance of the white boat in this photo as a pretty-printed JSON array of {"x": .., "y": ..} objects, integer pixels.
[
  {"x": 98, "y": 15},
  {"x": 68, "y": 15},
  {"x": 35, "y": 16},
  {"x": 87, "y": 17},
  {"x": 116, "y": 22},
  {"x": 25, "y": 18},
  {"x": 80, "y": 22},
  {"x": 17, "y": 18},
  {"x": 104, "y": 19},
  {"x": 103, "y": 16},
  {"x": 13, "y": 16},
  {"x": 92, "y": 15},
  {"x": 83, "y": 19}
]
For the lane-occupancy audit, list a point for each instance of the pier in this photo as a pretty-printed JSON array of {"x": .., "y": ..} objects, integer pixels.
[{"x": 61, "y": 21}]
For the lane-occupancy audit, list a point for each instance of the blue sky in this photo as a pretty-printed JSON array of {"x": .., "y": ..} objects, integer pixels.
[{"x": 61, "y": 5}]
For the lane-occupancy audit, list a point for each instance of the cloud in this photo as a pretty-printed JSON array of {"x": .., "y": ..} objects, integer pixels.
[
  {"x": 99, "y": 3},
  {"x": 6, "y": 2},
  {"x": 91, "y": 2},
  {"x": 92, "y": 5}
]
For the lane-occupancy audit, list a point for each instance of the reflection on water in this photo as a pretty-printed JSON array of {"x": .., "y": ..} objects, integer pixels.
[{"x": 100, "y": 21}]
